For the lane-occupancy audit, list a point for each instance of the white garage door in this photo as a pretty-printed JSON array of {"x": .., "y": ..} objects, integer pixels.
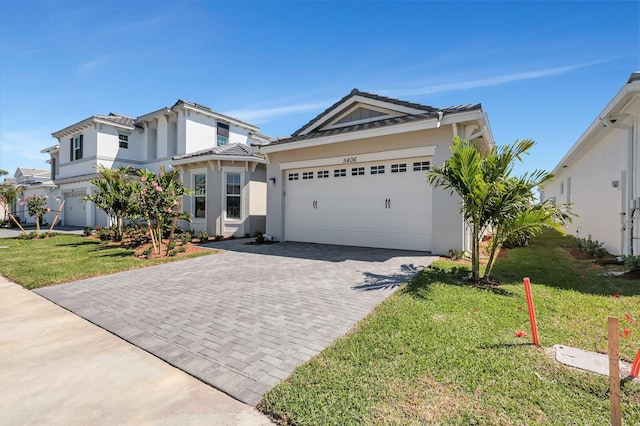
[
  {"x": 379, "y": 204},
  {"x": 74, "y": 209}
]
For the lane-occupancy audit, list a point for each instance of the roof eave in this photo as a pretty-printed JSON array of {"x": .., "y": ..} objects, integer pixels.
[
  {"x": 625, "y": 94},
  {"x": 424, "y": 124},
  {"x": 218, "y": 157}
]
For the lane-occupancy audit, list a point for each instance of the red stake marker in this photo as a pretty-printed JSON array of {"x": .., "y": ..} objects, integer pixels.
[
  {"x": 635, "y": 368},
  {"x": 532, "y": 312}
]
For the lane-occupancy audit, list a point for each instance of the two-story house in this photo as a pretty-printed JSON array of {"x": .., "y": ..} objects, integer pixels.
[{"x": 213, "y": 151}]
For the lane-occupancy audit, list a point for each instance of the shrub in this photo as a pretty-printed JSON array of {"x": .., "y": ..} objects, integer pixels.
[
  {"x": 591, "y": 247},
  {"x": 456, "y": 254},
  {"x": 181, "y": 249},
  {"x": 104, "y": 234},
  {"x": 147, "y": 252},
  {"x": 88, "y": 230},
  {"x": 185, "y": 238},
  {"x": 203, "y": 236},
  {"x": 259, "y": 238},
  {"x": 172, "y": 253},
  {"x": 632, "y": 262},
  {"x": 218, "y": 238}
]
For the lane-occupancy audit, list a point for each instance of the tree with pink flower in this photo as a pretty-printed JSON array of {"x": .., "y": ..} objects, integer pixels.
[{"x": 159, "y": 202}]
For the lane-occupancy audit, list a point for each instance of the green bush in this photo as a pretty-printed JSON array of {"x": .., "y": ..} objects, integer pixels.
[
  {"x": 88, "y": 230},
  {"x": 454, "y": 254},
  {"x": 185, "y": 237},
  {"x": 591, "y": 247},
  {"x": 202, "y": 236},
  {"x": 632, "y": 262}
]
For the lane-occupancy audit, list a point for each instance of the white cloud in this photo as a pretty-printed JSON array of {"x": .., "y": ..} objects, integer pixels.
[
  {"x": 261, "y": 114},
  {"x": 490, "y": 81},
  {"x": 22, "y": 149},
  {"x": 93, "y": 65}
]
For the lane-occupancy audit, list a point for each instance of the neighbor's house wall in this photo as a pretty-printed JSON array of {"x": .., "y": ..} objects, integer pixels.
[
  {"x": 447, "y": 224},
  {"x": 42, "y": 191},
  {"x": 586, "y": 184}
]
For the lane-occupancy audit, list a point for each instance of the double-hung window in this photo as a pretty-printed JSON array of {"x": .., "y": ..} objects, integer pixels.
[
  {"x": 200, "y": 195},
  {"x": 223, "y": 134},
  {"x": 233, "y": 195},
  {"x": 123, "y": 141},
  {"x": 76, "y": 148}
]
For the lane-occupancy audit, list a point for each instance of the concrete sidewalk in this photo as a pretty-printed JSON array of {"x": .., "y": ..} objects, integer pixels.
[{"x": 57, "y": 368}]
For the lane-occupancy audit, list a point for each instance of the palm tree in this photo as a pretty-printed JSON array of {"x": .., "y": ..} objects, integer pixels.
[
  {"x": 115, "y": 195},
  {"x": 491, "y": 198}
]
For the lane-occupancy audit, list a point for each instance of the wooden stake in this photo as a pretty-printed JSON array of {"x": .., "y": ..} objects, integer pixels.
[
  {"x": 6, "y": 208},
  {"x": 614, "y": 373},
  {"x": 532, "y": 312},
  {"x": 55, "y": 219}
]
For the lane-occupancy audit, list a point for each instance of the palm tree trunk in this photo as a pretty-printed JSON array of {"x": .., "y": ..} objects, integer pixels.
[{"x": 475, "y": 254}]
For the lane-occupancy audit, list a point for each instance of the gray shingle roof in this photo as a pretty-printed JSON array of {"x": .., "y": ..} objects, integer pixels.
[
  {"x": 429, "y": 114},
  {"x": 355, "y": 92},
  {"x": 232, "y": 149},
  {"x": 117, "y": 118}
]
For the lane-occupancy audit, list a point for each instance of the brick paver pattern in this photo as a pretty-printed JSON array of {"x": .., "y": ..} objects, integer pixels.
[{"x": 243, "y": 319}]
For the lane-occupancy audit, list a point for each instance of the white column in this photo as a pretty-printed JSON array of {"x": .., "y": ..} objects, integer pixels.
[{"x": 163, "y": 139}]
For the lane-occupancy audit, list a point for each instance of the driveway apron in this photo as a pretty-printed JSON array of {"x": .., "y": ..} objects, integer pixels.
[{"x": 242, "y": 319}]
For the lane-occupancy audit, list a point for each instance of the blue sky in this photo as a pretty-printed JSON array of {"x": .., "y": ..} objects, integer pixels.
[{"x": 542, "y": 70}]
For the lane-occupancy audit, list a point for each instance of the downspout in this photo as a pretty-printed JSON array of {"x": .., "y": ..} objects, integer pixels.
[{"x": 630, "y": 205}]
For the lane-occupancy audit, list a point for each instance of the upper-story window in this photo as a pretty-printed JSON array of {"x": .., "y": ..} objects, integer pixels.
[
  {"x": 123, "y": 141},
  {"x": 223, "y": 134},
  {"x": 75, "y": 148}
]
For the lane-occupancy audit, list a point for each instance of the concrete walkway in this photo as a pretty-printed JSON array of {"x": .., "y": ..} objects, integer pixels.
[
  {"x": 242, "y": 320},
  {"x": 58, "y": 369}
]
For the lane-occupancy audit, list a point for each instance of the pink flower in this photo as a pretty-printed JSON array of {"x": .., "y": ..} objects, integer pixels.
[
  {"x": 143, "y": 179},
  {"x": 175, "y": 202},
  {"x": 169, "y": 209},
  {"x": 48, "y": 209},
  {"x": 154, "y": 183},
  {"x": 46, "y": 197},
  {"x": 159, "y": 188},
  {"x": 22, "y": 203}
]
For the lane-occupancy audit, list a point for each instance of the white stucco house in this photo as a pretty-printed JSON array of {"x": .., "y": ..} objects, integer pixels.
[
  {"x": 355, "y": 175},
  {"x": 33, "y": 182},
  {"x": 599, "y": 175},
  {"x": 213, "y": 151}
]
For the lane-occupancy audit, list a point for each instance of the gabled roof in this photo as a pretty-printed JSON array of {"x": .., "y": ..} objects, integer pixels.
[
  {"x": 235, "y": 151},
  {"x": 353, "y": 93},
  {"x": 406, "y": 113},
  {"x": 24, "y": 171},
  {"x": 615, "y": 110}
]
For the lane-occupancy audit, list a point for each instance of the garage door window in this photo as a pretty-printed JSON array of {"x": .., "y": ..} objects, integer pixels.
[
  {"x": 307, "y": 175},
  {"x": 420, "y": 165},
  {"x": 200, "y": 195},
  {"x": 399, "y": 168},
  {"x": 233, "y": 195},
  {"x": 357, "y": 171},
  {"x": 293, "y": 176},
  {"x": 377, "y": 170},
  {"x": 339, "y": 172},
  {"x": 323, "y": 174}
]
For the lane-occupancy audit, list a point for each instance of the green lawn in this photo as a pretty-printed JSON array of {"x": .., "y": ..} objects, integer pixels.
[
  {"x": 440, "y": 351},
  {"x": 40, "y": 262}
]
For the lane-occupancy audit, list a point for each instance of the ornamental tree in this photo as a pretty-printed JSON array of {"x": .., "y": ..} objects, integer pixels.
[
  {"x": 37, "y": 207},
  {"x": 159, "y": 203}
]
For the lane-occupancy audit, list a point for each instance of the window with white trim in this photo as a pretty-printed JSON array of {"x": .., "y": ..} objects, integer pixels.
[
  {"x": 339, "y": 172},
  {"x": 199, "y": 195},
  {"x": 323, "y": 174},
  {"x": 421, "y": 165},
  {"x": 307, "y": 175},
  {"x": 76, "y": 148},
  {"x": 233, "y": 195},
  {"x": 377, "y": 170},
  {"x": 123, "y": 141},
  {"x": 399, "y": 168},
  {"x": 357, "y": 171},
  {"x": 222, "y": 134},
  {"x": 293, "y": 176}
]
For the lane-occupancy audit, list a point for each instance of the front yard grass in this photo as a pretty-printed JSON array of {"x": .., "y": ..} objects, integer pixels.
[
  {"x": 41, "y": 262},
  {"x": 441, "y": 351}
]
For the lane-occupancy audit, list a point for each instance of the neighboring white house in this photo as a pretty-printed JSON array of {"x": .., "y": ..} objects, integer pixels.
[
  {"x": 599, "y": 175},
  {"x": 34, "y": 182},
  {"x": 355, "y": 175},
  {"x": 185, "y": 132}
]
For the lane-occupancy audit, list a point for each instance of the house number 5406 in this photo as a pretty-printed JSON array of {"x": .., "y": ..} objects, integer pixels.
[{"x": 349, "y": 160}]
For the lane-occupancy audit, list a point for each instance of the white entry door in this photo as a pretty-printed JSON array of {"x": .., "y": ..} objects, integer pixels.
[
  {"x": 74, "y": 209},
  {"x": 383, "y": 204}
]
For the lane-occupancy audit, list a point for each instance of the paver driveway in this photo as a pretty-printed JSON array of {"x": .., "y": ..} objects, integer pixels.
[{"x": 242, "y": 320}]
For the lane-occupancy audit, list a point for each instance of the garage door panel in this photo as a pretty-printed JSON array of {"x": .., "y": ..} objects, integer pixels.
[
  {"x": 74, "y": 209},
  {"x": 390, "y": 210}
]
